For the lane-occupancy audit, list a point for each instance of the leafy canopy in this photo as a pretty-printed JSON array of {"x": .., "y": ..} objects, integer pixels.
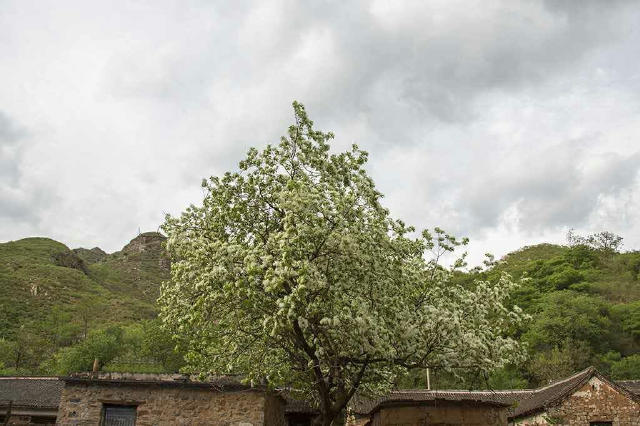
[{"x": 292, "y": 272}]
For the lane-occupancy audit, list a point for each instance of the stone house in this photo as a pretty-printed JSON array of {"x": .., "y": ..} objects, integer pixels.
[
  {"x": 424, "y": 407},
  {"x": 450, "y": 407},
  {"x": 165, "y": 399},
  {"x": 586, "y": 399}
]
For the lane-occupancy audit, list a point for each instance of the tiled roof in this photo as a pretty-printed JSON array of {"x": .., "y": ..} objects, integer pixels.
[
  {"x": 555, "y": 392},
  {"x": 45, "y": 392},
  {"x": 219, "y": 383},
  {"x": 520, "y": 402},
  {"x": 364, "y": 406},
  {"x": 38, "y": 392},
  {"x": 632, "y": 386}
]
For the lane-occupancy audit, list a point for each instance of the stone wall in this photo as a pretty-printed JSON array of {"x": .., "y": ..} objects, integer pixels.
[
  {"x": 28, "y": 417},
  {"x": 16, "y": 420},
  {"x": 594, "y": 401},
  {"x": 449, "y": 413},
  {"x": 82, "y": 404}
]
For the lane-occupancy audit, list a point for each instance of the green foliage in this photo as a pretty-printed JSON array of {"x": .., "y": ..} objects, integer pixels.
[
  {"x": 103, "y": 345},
  {"x": 570, "y": 316},
  {"x": 563, "y": 279},
  {"x": 507, "y": 377},
  {"x": 292, "y": 272},
  {"x": 297, "y": 246},
  {"x": 33, "y": 282},
  {"x": 137, "y": 270},
  {"x": 159, "y": 344},
  {"x": 53, "y": 299},
  {"x": 142, "y": 347},
  {"x": 627, "y": 368},
  {"x": 584, "y": 300},
  {"x": 604, "y": 242},
  {"x": 23, "y": 353},
  {"x": 629, "y": 317},
  {"x": 558, "y": 362}
]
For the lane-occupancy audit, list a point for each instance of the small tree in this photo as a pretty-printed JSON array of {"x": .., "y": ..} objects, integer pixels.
[
  {"x": 103, "y": 345},
  {"x": 292, "y": 273},
  {"x": 605, "y": 241}
]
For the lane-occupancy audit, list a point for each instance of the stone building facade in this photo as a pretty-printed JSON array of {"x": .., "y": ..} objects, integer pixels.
[
  {"x": 146, "y": 400},
  {"x": 584, "y": 399},
  {"x": 441, "y": 413},
  {"x": 419, "y": 407}
]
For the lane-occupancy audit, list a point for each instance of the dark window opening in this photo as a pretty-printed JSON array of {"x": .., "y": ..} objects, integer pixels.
[
  {"x": 43, "y": 420},
  {"x": 118, "y": 415},
  {"x": 295, "y": 419}
]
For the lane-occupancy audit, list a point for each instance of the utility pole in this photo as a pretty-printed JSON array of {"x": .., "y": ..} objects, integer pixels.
[{"x": 428, "y": 380}]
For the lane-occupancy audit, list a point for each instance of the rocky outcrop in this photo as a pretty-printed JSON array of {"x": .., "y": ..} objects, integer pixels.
[
  {"x": 149, "y": 246},
  {"x": 90, "y": 256},
  {"x": 68, "y": 259},
  {"x": 146, "y": 242}
]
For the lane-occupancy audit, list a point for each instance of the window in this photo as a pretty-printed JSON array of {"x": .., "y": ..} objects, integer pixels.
[
  {"x": 299, "y": 419},
  {"x": 118, "y": 415}
]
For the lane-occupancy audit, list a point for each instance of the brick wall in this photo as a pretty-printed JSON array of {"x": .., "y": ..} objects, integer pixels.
[
  {"x": 82, "y": 403},
  {"x": 594, "y": 401}
]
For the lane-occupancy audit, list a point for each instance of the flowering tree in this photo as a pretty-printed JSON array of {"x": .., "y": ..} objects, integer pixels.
[{"x": 292, "y": 273}]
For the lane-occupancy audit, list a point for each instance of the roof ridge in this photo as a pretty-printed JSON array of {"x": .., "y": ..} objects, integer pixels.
[
  {"x": 557, "y": 391},
  {"x": 590, "y": 369},
  {"x": 29, "y": 378},
  {"x": 464, "y": 391}
]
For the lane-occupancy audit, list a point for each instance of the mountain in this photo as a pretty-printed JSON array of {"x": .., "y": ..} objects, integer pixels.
[
  {"x": 38, "y": 275},
  {"x": 61, "y": 309}
]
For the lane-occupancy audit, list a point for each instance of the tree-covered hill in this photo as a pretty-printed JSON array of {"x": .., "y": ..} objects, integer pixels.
[
  {"x": 584, "y": 302},
  {"x": 54, "y": 297},
  {"x": 62, "y": 308}
]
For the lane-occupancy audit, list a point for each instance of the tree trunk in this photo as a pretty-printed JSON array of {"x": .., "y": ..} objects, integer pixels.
[{"x": 329, "y": 420}]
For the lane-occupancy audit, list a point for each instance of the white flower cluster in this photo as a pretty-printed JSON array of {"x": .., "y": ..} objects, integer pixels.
[{"x": 291, "y": 272}]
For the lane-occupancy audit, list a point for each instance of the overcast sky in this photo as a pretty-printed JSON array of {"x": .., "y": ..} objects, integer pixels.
[{"x": 507, "y": 122}]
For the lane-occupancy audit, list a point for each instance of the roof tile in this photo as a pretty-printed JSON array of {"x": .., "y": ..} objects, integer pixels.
[{"x": 39, "y": 392}]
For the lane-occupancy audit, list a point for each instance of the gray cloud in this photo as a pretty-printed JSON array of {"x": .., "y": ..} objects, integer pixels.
[
  {"x": 9, "y": 131},
  {"x": 19, "y": 203},
  {"x": 552, "y": 188},
  {"x": 504, "y": 121},
  {"x": 10, "y": 150}
]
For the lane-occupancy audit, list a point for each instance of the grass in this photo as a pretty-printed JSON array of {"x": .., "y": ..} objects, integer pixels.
[{"x": 119, "y": 289}]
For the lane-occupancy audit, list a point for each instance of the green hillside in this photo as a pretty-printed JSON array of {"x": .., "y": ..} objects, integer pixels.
[
  {"x": 62, "y": 308},
  {"x": 53, "y": 297},
  {"x": 584, "y": 303},
  {"x": 137, "y": 270}
]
